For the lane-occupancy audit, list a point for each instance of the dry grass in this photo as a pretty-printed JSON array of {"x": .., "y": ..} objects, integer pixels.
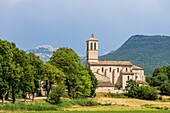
[
  {"x": 120, "y": 104},
  {"x": 130, "y": 102}
]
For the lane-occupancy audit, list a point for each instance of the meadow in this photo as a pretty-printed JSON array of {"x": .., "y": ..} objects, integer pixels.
[{"x": 93, "y": 105}]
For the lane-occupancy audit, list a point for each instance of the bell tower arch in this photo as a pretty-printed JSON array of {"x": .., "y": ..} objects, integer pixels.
[{"x": 92, "y": 50}]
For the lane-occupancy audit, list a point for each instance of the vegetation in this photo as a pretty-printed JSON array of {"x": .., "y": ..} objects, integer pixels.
[
  {"x": 161, "y": 79},
  {"x": 22, "y": 74},
  {"x": 80, "y": 81},
  {"x": 148, "y": 52},
  {"x": 141, "y": 92}
]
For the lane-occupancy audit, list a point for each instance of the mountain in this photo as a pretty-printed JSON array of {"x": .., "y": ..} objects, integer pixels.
[
  {"x": 148, "y": 52},
  {"x": 44, "y": 51}
]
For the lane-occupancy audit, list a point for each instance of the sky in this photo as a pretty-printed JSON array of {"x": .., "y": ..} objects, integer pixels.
[{"x": 69, "y": 23}]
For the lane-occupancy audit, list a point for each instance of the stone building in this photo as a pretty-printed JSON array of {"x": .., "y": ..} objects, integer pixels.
[{"x": 111, "y": 73}]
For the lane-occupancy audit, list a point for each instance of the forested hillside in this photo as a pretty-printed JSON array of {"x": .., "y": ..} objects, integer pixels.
[{"x": 149, "y": 52}]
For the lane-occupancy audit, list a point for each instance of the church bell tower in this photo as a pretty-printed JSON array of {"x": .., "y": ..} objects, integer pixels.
[{"x": 92, "y": 50}]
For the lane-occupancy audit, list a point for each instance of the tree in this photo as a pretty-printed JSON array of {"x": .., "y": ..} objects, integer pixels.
[
  {"x": 57, "y": 92},
  {"x": 6, "y": 58},
  {"x": 132, "y": 88},
  {"x": 37, "y": 64},
  {"x": 159, "y": 79},
  {"x": 78, "y": 80},
  {"x": 165, "y": 88},
  {"x": 94, "y": 83},
  {"x": 147, "y": 93},
  {"x": 141, "y": 92},
  {"x": 51, "y": 76}
]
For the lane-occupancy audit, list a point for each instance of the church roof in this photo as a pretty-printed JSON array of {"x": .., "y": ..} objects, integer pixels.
[
  {"x": 134, "y": 67},
  {"x": 111, "y": 63},
  {"x": 92, "y": 38},
  {"x": 105, "y": 84},
  {"x": 101, "y": 77}
]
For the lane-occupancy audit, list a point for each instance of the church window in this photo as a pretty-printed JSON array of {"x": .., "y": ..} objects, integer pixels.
[
  {"x": 91, "y": 46},
  {"x": 87, "y": 46},
  {"x": 110, "y": 69},
  {"x": 136, "y": 77},
  {"x": 126, "y": 69},
  {"x": 128, "y": 77},
  {"x": 94, "y": 46},
  {"x": 118, "y": 70},
  {"x": 102, "y": 69}
]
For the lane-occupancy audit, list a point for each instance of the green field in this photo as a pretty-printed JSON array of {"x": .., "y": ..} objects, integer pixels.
[{"x": 117, "y": 105}]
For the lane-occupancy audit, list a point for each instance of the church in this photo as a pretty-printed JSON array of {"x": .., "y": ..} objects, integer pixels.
[{"x": 111, "y": 74}]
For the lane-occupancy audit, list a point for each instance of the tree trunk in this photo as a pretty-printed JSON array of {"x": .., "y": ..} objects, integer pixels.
[
  {"x": 47, "y": 88},
  {"x": 33, "y": 95},
  {"x": 7, "y": 96},
  {"x": 13, "y": 95},
  {"x": 3, "y": 99}
]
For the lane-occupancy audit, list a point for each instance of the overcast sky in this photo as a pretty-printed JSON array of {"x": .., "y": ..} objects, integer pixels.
[{"x": 69, "y": 23}]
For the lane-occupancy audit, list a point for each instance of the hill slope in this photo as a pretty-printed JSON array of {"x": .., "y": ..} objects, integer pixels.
[{"x": 147, "y": 52}]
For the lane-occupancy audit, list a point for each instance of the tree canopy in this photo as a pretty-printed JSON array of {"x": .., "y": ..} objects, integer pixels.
[{"x": 79, "y": 81}]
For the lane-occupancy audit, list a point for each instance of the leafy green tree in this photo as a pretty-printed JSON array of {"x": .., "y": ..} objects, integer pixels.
[
  {"x": 78, "y": 80},
  {"x": 27, "y": 79},
  {"x": 147, "y": 93},
  {"x": 132, "y": 88},
  {"x": 165, "y": 88},
  {"x": 51, "y": 76},
  {"x": 57, "y": 92},
  {"x": 6, "y": 58},
  {"x": 94, "y": 83},
  {"x": 159, "y": 79},
  {"x": 37, "y": 64},
  {"x": 11, "y": 69},
  {"x": 141, "y": 92}
]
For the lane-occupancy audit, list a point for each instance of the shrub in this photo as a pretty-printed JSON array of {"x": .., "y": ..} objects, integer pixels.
[
  {"x": 84, "y": 102},
  {"x": 147, "y": 92},
  {"x": 165, "y": 88},
  {"x": 141, "y": 92},
  {"x": 57, "y": 92}
]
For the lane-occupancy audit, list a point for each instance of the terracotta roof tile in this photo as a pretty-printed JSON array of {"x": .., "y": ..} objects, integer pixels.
[{"x": 136, "y": 68}]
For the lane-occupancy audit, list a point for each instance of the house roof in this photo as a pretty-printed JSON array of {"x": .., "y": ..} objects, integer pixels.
[
  {"x": 105, "y": 84},
  {"x": 134, "y": 67},
  {"x": 141, "y": 82},
  {"x": 111, "y": 63}
]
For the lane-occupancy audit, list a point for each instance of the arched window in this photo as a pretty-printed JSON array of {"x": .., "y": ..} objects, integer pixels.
[
  {"x": 110, "y": 69},
  {"x": 126, "y": 69},
  {"x": 94, "y": 46},
  {"x": 118, "y": 70},
  {"x": 102, "y": 69},
  {"x": 128, "y": 77},
  {"x": 87, "y": 46},
  {"x": 136, "y": 77},
  {"x": 91, "y": 46}
]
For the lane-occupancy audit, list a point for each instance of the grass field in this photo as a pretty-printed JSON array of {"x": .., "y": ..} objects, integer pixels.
[{"x": 119, "y": 105}]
